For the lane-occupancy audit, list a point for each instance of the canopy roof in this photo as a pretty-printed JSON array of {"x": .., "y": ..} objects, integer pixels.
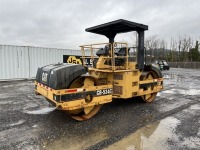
[{"x": 110, "y": 29}]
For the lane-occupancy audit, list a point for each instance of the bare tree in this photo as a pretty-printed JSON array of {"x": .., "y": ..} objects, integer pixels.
[
  {"x": 173, "y": 49},
  {"x": 134, "y": 39},
  {"x": 179, "y": 47},
  {"x": 163, "y": 47},
  {"x": 151, "y": 43},
  {"x": 185, "y": 44}
]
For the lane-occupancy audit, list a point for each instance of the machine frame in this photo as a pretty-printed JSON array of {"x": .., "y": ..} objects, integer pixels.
[{"x": 105, "y": 80}]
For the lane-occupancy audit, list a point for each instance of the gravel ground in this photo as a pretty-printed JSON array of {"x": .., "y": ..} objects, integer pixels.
[{"x": 171, "y": 122}]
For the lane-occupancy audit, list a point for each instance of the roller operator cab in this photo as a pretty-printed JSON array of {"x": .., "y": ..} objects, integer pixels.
[{"x": 117, "y": 72}]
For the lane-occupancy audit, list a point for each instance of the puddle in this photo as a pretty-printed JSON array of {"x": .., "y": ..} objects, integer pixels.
[
  {"x": 6, "y": 95},
  {"x": 184, "y": 92},
  {"x": 17, "y": 123},
  {"x": 78, "y": 142},
  {"x": 13, "y": 102},
  {"x": 161, "y": 94},
  {"x": 171, "y": 79},
  {"x": 34, "y": 126},
  {"x": 25, "y": 88},
  {"x": 158, "y": 94},
  {"x": 41, "y": 111},
  {"x": 30, "y": 105},
  {"x": 3, "y": 102},
  {"x": 154, "y": 136},
  {"x": 193, "y": 110},
  {"x": 170, "y": 76},
  {"x": 7, "y": 86},
  {"x": 191, "y": 142},
  {"x": 195, "y": 107},
  {"x": 171, "y": 104}
]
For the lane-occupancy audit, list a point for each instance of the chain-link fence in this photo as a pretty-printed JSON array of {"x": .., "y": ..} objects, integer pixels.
[{"x": 184, "y": 64}]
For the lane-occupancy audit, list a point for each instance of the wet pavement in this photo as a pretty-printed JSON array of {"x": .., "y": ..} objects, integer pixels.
[{"x": 172, "y": 121}]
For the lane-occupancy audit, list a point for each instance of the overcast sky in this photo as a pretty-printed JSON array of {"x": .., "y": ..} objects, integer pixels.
[{"x": 62, "y": 23}]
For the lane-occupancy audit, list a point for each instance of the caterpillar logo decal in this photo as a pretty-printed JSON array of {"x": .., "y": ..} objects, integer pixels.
[{"x": 74, "y": 60}]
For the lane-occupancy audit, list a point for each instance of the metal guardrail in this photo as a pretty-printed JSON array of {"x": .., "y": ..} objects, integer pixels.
[
  {"x": 111, "y": 56},
  {"x": 194, "y": 65}
]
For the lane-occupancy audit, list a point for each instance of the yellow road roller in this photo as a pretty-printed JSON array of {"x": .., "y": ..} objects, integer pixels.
[{"x": 117, "y": 71}]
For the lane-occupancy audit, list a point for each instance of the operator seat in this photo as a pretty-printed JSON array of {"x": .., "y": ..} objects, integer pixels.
[
  {"x": 121, "y": 52},
  {"x": 103, "y": 51}
]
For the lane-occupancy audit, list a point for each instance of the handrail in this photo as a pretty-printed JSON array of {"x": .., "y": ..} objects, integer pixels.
[
  {"x": 93, "y": 44},
  {"x": 116, "y": 45}
]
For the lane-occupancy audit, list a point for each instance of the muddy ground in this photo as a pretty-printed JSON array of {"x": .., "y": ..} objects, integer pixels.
[{"x": 171, "y": 122}]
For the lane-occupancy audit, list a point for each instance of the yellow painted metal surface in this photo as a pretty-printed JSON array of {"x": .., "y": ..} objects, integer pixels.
[
  {"x": 123, "y": 80},
  {"x": 77, "y": 103}
]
